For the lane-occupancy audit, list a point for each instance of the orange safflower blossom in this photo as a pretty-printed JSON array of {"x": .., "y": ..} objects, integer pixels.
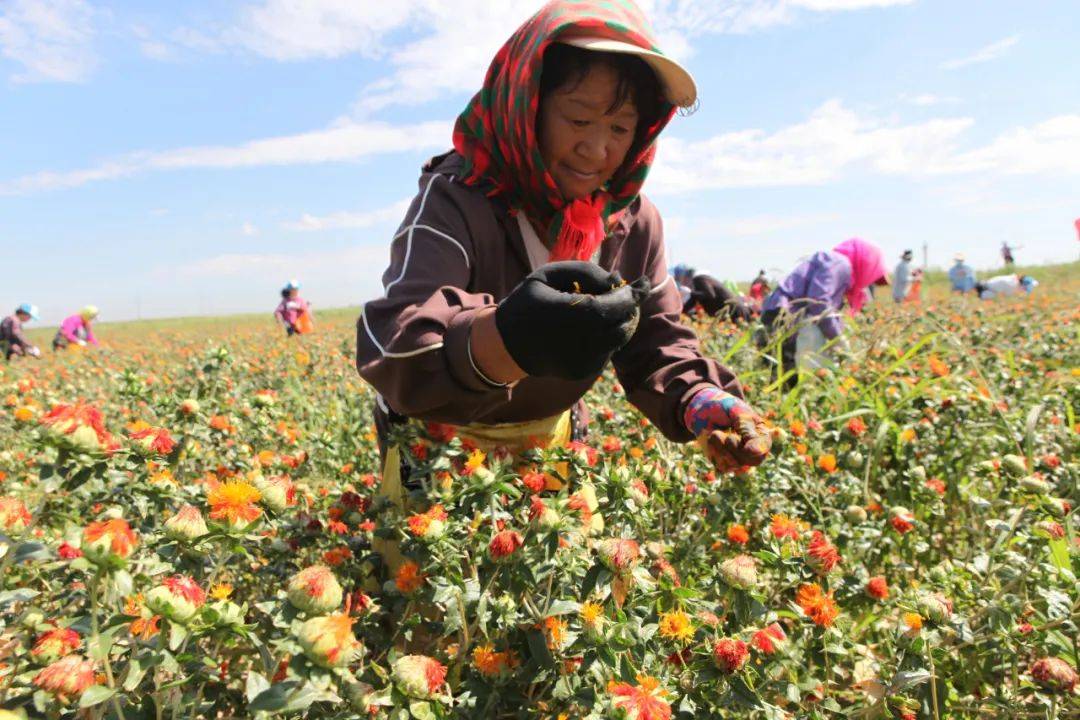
[
  {"x": 429, "y": 525},
  {"x": 643, "y": 701},
  {"x": 818, "y": 606},
  {"x": 492, "y": 663},
  {"x": 408, "y": 578},
  {"x": 676, "y": 625},
  {"x": 233, "y": 504}
]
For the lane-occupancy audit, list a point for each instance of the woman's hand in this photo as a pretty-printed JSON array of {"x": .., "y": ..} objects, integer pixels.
[
  {"x": 567, "y": 319},
  {"x": 733, "y": 435}
]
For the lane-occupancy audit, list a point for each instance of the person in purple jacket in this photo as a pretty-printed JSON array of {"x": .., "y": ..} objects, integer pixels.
[
  {"x": 77, "y": 329},
  {"x": 816, "y": 290}
]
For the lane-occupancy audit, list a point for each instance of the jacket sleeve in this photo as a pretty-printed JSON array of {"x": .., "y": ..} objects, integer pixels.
[
  {"x": 662, "y": 365},
  {"x": 412, "y": 343},
  {"x": 822, "y": 287},
  {"x": 90, "y": 334},
  {"x": 67, "y": 329}
]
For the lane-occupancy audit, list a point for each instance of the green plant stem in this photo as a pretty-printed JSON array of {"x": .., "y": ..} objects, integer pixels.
[{"x": 95, "y": 584}]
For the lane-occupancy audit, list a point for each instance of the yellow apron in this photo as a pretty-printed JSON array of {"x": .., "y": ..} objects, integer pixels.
[{"x": 515, "y": 437}]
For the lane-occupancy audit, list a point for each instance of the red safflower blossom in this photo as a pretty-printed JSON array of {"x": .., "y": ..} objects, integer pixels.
[
  {"x": 730, "y": 655},
  {"x": 822, "y": 555},
  {"x": 937, "y": 485},
  {"x": 55, "y": 644},
  {"x": 154, "y": 439},
  {"x": 534, "y": 481},
  {"x": 66, "y": 678},
  {"x": 902, "y": 521},
  {"x": 67, "y": 551},
  {"x": 856, "y": 426},
  {"x": 877, "y": 587},
  {"x": 769, "y": 638},
  {"x": 504, "y": 544}
]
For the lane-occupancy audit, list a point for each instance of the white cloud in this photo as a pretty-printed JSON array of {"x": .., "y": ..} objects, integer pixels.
[
  {"x": 812, "y": 152},
  {"x": 1051, "y": 146},
  {"x": 986, "y": 54},
  {"x": 51, "y": 39},
  {"x": 835, "y": 141},
  {"x": 440, "y": 47},
  {"x": 347, "y": 142},
  {"x": 290, "y": 30},
  {"x": 836, "y": 5},
  {"x": 249, "y": 229},
  {"x": 928, "y": 99},
  {"x": 351, "y": 220}
]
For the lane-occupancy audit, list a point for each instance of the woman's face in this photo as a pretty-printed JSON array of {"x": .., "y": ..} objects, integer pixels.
[
  {"x": 582, "y": 146},
  {"x": 293, "y": 292}
]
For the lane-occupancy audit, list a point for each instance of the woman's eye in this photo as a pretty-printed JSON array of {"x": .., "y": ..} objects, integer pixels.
[
  {"x": 579, "y": 123},
  {"x": 619, "y": 130}
]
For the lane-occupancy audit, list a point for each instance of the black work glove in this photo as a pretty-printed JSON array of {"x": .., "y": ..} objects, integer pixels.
[{"x": 567, "y": 319}]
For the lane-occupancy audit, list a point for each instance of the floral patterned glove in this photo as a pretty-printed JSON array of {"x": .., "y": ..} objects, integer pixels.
[{"x": 733, "y": 435}]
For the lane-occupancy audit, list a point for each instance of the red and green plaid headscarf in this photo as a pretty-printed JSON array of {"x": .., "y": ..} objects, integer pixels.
[{"x": 496, "y": 133}]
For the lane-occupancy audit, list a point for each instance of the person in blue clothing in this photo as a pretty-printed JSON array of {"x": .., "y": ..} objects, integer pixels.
[{"x": 961, "y": 276}]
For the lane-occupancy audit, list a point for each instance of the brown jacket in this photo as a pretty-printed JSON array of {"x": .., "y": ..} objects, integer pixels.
[{"x": 459, "y": 251}]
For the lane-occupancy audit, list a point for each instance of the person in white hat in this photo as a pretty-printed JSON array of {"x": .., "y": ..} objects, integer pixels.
[
  {"x": 961, "y": 276},
  {"x": 13, "y": 342},
  {"x": 530, "y": 259}
]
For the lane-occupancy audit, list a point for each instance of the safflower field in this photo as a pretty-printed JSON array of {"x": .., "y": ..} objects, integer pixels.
[{"x": 188, "y": 516}]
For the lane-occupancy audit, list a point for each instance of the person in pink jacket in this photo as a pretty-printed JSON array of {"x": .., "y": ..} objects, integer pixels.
[
  {"x": 77, "y": 329},
  {"x": 290, "y": 310}
]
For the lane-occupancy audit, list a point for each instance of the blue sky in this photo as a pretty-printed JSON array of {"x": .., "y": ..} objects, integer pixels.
[{"x": 181, "y": 158}]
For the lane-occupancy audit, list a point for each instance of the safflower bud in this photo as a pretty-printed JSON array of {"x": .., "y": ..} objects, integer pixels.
[
  {"x": 55, "y": 644},
  {"x": 1034, "y": 484},
  {"x": 14, "y": 517},
  {"x": 935, "y": 606},
  {"x": 278, "y": 492},
  {"x": 108, "y": 543},
  {"x": 189, "y": 406},
  {"x": 419, "y": 676},
  {"x": 855, "y": 514},
  {"x": 1054, "y": 674},
  {"x": 619, "y": 555},
  {"x": 186, "y": 525},
  {"x": 178, "y": 598},
  {"x": 1015, "y": 465},
  {"x": 315, "y": 590},
  {"x": 67, "y": 678},
  {"x": 739, "y": 572},
  {"x": 328, "y": 640}
]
